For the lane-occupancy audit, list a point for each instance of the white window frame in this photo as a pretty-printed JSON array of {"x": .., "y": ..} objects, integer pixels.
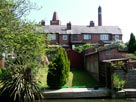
[
  {"x": 52, "y": 36},
  {"x": 116, "y": 38},
  {"x": 65, "y": 37},
  {"x": 104, "y": 37},
  {"x": 87, "y": 36}
]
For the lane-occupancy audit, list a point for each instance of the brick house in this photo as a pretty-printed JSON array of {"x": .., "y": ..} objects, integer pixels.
[{"x": 70, "y": 35}]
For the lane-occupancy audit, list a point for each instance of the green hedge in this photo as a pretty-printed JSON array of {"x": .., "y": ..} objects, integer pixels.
[{"x": 58, "y": 70}]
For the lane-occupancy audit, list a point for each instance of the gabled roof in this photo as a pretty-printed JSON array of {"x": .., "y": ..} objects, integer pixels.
[{"x": 79, "y": 29}]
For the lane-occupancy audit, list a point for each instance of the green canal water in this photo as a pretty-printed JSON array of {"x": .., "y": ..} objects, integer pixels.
[{"x": 88, "y": 100}]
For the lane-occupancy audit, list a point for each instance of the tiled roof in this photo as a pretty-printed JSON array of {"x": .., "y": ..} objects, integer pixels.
[{"x": 78, "y": 29}]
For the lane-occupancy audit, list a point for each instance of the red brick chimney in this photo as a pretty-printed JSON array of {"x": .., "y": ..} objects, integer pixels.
[
  {"x": 55, "y": 16},
  {"x": 43, "y": 22},
  {"x": 69, "y": 26},
  {"x": 55, "y": 20},
  {"x": 99, "y": 16}
]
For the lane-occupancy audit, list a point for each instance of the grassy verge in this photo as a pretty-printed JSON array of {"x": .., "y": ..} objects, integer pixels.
[
  {"x": 77, "y": 78},
  {"x": 82, "y": 78}
]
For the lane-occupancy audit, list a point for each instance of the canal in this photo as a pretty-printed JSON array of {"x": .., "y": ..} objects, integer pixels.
[{"x": 89, "y": 100}]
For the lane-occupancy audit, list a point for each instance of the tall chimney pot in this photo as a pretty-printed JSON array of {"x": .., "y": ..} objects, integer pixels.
[{"x": 99, "y": 16}]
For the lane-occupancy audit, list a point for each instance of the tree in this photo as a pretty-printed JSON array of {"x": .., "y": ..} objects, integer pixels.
[
  {"x": 132, "y": 44},
  {"x": 11, "y": 12},
  {"x": 58, "y": 70},
  {"x": 19, "y": 36}
]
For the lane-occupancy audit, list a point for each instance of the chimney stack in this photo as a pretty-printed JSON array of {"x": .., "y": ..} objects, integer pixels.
[
  {"x": 55, "y": 16},
  {"x": 43, "y": 22},
  {"x": 99, "y": 16},
  {"x": 55, "y": 20},
  {"x": 69, "y": 26},
  {"x": 92, "y": 24}
]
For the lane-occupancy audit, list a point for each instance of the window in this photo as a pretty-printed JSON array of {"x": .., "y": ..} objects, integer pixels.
[
  {"x": 104, "y": 37},
  {"x": 52, "y": 36},
  {"x": 65, "y": 37},
  {"x": 116, "y": 38},
  {"x": 87, "y": 36},
  {"x": 74, "y": 37}
]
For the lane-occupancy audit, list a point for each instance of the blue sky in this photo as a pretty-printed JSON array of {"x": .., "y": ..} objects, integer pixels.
[{"x": 114, "y": 13}]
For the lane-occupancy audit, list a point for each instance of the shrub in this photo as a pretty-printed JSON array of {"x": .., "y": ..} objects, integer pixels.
[
  {"x": 132, "y": 43},
  {"x": 19, "y": 84},
  {"x": 58, "y": 70},
  {"x": 83, "y": 47},
  {"x": 117, "y": 81}
]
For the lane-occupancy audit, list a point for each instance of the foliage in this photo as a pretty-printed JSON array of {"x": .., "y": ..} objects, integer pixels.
[
  {"x": 58, "y": 69},
  {"x": 135, "y": 53},
  {"x": 118, "y": 65},
  {"x": 117, "y": 81},
  {"x": 16, "y": 8},
  {"x": 83, "y": 47},
  {"x": 132, "y": 56},
  {"x": 50, "y": 51},
  {"x": 132, "y": 44},
  {"x": 41, "y": 76},
  {"x": 19, "y": 84},
  {"x": 120, "y": 45},
  {"x": 19, "y": 36},
  {"x": 13, "y": 30}
]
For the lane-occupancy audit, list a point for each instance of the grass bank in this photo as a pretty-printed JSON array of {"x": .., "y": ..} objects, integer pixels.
[
  {"x": 82, "y": 78},
  {"x": 77, "y": 78}
]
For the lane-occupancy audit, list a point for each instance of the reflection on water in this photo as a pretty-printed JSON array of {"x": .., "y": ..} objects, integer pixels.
[{"x": 89, "y": 100}]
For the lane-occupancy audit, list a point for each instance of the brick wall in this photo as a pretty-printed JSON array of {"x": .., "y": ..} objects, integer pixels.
[
  {"x": 63, "y": 41},
  {"x": 113, "y": 53},
  {"x": 95, "y": 38},
  {"x": 108, "y": 54}
]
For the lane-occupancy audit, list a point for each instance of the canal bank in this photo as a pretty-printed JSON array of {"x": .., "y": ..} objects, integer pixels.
[{"x": 76, "y": 93}]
